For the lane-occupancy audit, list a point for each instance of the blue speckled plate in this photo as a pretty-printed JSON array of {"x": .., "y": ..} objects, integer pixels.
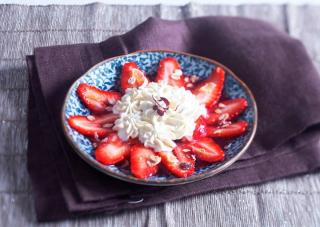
[{"x": 105, "y": 75}]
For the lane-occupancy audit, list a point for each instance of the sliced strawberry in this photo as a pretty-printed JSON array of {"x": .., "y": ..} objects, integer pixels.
[
  {"x": 93, "y": 126},
  {"x": 132, "y": 76},
  {"x": 112, "y": 150},
  {"x": 200, "y": 129},
  {"x": 170, "y": 72},
  {"x": 227, "y": 110},
  {"x": 97, "y": 100},
  {"x": 144, "y": 162},
  {"x": 207, "y": 150},
  {"x": 228, "y": 130},
  {"x": 180, "y": 163},
  {"x": 208, "y": 92}
]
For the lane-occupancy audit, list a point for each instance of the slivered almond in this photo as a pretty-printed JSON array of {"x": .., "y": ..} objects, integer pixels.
[
  {"x": 176, "y": 74},
  {"x": 109, "y": 108},
  {"x": 218, "y": 111},
  {"x": 194, "y": 78},
  {"x": 223, "y": 116},
  {"x": 96, "y": 136},
  {"x": 153, "y": 160},
  {"x": 186, "y": 150},
  {"x": 108, "y": 125},
  {"x": 131, "y": 80},
  {"x": 218, "y": 131},
  {"x": 91, "y": 118},
  {"x": 189, "y": 85}
]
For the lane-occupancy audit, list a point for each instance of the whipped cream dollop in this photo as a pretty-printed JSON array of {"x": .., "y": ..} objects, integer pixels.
[{"x": 139, "y": 115}]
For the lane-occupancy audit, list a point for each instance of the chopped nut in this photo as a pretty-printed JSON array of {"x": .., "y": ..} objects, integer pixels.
[
  {"x": 201, "y": 150},
  {"x": 108, "y": 125},
  {"x": 193, "y": 157},
  {"x": 189, "y": 85},
  {"x": 194, "y": 78},
  {"x": 109, "y": 108},
  {"x": 207, "y": 87},
  {"x": 91, "y": 118},
  {"x": 218, "y": 131},
  {"x": 218, "y": 111},
  {"x": 105, "y": 139},
  {"x": 224, "y": 116},
  {"x": 176, "y": 74},
  {"x": 186, "y": 150},
  {"x": 131, "y": 80},
  {"x": 225, "y": 124},
  {"x": 96, "y": 136},
  {"x": 153, "y": 160}
]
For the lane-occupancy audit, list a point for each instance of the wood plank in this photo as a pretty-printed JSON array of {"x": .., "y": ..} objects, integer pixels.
[
  {"x": 303, "y": 25},
  {"x": 91, "y": 16},
  {"x": 14, "y": 137},
  {"x": 274, "y": 14},
  {"x": 46, "y": 38},
  {"x": 245, "y": 207},
  {"x": 13, "y": 74},
  {"x": 13, "y": 175},
  {"x": 13, "y": 104},
  {"x": 16, "y": 209}
]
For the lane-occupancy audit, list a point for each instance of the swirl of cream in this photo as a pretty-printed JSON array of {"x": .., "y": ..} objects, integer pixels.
[{"x": 139, "y": 119}]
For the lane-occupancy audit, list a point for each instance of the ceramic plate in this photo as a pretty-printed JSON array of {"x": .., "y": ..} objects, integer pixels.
[{"x": 105, "y": 75}]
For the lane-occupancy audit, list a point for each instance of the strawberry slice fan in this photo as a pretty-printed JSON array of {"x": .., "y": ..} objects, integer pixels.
[
  {"x": 219, "y": 122},
  {"x": 275, "y": 66}
]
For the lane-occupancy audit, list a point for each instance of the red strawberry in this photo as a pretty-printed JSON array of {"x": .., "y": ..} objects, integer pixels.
[
  {"x": 180, "y": 163},
  {"x": 200, "y": 129},
  {"x": 112, "y": 150},
  {"x": 208, "y": 92},
  {"x": 227, "y": 110},
  {"x": 132, "y": 76},
  {"x": 93, "y": 126},
  {"x": 228, "y": 130},
  {"x": 170, "y": 72},
  {"x": 95, "y": 99},
  {"x": 207, "y": 150},
  {"x": 144, "y": 161}
]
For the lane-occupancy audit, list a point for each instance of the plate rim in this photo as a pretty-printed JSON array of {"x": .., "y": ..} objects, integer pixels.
[{"x": 171, "y": 182}]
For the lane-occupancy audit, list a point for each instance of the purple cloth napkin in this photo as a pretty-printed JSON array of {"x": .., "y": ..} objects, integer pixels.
[{"x": 275, "y": 67}]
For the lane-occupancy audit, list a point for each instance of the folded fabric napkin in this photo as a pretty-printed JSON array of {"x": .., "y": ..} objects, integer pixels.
[{"x": 275, "y": 67}]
